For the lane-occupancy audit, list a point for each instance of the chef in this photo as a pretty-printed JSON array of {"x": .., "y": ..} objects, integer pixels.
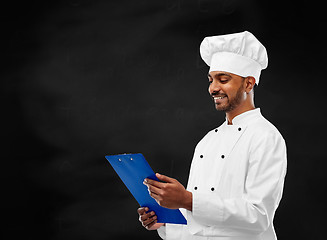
[{"x": 238, "y": 169}]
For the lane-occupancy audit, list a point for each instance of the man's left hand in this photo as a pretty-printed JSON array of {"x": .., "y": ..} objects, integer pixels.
[{"x": 170, "y": 193}]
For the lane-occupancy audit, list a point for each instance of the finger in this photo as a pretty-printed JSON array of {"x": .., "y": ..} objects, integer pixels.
[
  {"x": 142, "y": 210},
  {"x": 155, "y": 183},
  {"x": 155, "y": 190},
  {"x": 165, "y": 178},
  {"x": 149, "y": 220},
  {"x": 156, "y": 197},
  {"x": 147, "y": 216},
  {"x": 151, "y": 224}
]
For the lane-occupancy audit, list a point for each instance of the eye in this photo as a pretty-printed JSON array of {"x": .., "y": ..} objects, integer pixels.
[
  {"x": 210, "y": 81},
  {"x": 224, "y": 80}
]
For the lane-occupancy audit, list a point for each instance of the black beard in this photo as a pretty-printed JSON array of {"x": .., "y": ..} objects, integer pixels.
[{"x": 233, "y": 103}]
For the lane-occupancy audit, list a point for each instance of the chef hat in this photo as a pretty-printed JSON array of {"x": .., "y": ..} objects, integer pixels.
[{"x": 238, "y": 53}]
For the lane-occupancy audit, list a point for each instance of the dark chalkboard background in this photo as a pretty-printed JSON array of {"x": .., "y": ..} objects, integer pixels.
[{"x": 81, "y": 79}]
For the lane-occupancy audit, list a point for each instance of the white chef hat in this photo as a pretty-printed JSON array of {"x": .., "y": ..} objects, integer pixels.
[{"x": 238, "y": 53}]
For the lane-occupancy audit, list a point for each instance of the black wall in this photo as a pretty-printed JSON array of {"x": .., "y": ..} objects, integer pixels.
[{"x": 82, "y": 79}]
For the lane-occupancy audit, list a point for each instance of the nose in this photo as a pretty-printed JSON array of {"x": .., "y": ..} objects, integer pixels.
[{"x": 214, "y": 88}]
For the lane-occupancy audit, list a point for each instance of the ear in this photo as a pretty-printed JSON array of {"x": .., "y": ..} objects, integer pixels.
[{"x": 249, "y": 84}]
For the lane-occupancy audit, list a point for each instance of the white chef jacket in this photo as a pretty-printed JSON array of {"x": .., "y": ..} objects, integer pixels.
[{"x": 236, "y": 179}]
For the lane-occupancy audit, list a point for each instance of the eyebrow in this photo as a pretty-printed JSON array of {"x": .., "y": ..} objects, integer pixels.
[{"x": 219, "y": 75}]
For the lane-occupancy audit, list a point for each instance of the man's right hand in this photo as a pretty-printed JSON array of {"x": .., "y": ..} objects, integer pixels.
[{"x": 148, "y": 220}]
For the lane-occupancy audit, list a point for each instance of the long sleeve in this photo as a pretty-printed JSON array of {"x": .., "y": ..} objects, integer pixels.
[
  {"x": 171, "y": 231},
  {"x": 162, "y": 232},
  {"x": 251, "y": 212}
]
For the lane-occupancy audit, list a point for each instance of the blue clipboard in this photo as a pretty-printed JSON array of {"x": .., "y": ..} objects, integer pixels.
[{"x": 133, "y": 169}]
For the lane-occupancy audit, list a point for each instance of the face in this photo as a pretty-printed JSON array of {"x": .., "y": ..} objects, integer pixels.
[{"x": 227, "y": 90}]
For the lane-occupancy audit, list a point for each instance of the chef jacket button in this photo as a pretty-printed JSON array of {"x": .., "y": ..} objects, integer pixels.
[
  {"x": 222, "y": 156},
  {"x": 195, "y": 188},
  {"x": 239, "y": 129},
  {"x": 216, "y": 130},
  {"x": 212, "y": 189},
  {"x": 201, "y": 156}
]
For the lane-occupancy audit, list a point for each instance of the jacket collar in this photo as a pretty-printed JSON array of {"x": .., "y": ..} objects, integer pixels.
[{"x": 246, "y": 117}]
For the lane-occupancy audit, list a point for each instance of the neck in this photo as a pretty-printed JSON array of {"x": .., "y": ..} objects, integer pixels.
[{"x": 239, "y": 110}]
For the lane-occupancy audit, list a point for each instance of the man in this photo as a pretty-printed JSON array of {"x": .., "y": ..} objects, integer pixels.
[{"x": 238, "y": 169}]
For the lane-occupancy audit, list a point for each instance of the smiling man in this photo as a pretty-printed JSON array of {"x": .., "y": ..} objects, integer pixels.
[
  {"x": 232, "y": 91},
  {"x": 238, "y": 169}
]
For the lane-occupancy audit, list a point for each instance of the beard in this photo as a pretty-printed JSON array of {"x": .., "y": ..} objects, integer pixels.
[{"x": 231, "y": 103}]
